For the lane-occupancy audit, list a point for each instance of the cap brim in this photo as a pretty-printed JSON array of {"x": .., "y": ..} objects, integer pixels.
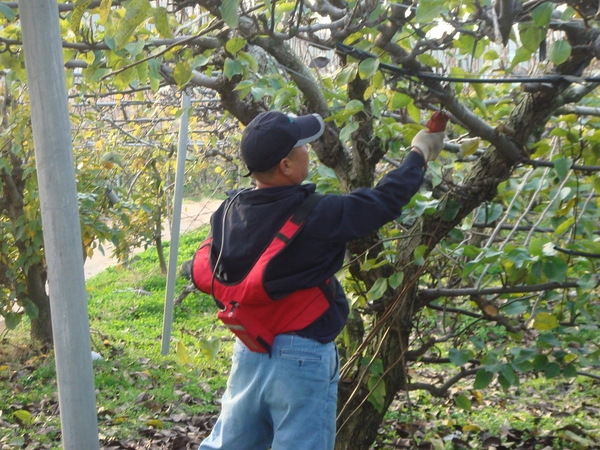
[{"x": 311, "y": 128}]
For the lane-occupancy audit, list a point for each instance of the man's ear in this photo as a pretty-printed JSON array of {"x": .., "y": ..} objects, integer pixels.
[{"x": 284, "y": 166}]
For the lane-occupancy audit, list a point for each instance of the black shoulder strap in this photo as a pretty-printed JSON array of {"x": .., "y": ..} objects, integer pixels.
[{"x": 306, "y": 207}]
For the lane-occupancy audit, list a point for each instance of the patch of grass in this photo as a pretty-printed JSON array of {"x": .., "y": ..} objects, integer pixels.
[
  {"x": 136, "y": 386},
  {"x": 540, "y": 413}
]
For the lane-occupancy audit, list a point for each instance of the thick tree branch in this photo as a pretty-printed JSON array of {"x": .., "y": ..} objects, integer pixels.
[
  {"x": 441, "y": 391},
  {"x": 428, "y": 295}
]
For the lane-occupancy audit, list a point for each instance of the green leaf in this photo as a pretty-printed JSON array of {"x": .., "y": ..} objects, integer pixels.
[
  {"x": 570, "y": 371},
  {"x": 545, "y": 321},
  {"x": 161, "y": 22},
  {"x": 346, "y": 131},
  {"x": 79, "y": 9},
  {"x": 234, "y": 45},
  {"x": 468, "y": 146},
  {"x": 542, "y": 14},
  {"x": 104, "y": 9},
  {"x": 232, "y": 67},
  {"x": 463, "y": 402},
  {"x": 521, "y": 55},
  {"x": 247, "y": 60},
  {"x": 531, "y": 36},
  {"x": 562, "y": 166},
  {"x": 428, "y": 10},
  {"x": 539, "y": 362},
  {"x": 377, "y": 290},
  {"x": 519, "y": 256},
  {"x": 31, "y": 309},
  {"x": 483, "y": 378},
  {"x": 552, "y": 370},
  {"x": 7, "y": 12},
  {"x": 536, "y": 246},
  {"x": 136, "y": 12},
  {"x": 353, "y": 107},
  {"x": 450, "y": 210},
  {"x": 346, "y": 75},
  {"x": 559, "y": 52},
  {"x": 229, "y": 12},
  {"x": 399, "y": 100},
  {"x": 419, "y": 255},
  {"x": 376, "y": 385},
  {"x": 509, "y": 374},
  {"x": 124, "y": 79},
  {"x": 368, "y": 67},
  {"x": 459, "y": 357},
  {"x": 11, "y": 320},
  {"x": 396, "y": 279},
  {"x": 556, "y": 269},
  {"x": 488, "y": 212},
  {"x": 503, "y": 381}
]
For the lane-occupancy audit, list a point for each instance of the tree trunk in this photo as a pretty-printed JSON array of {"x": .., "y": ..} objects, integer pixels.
[
  {"x": 360, "y": 420},
  {"x": 41, "y": 325}
]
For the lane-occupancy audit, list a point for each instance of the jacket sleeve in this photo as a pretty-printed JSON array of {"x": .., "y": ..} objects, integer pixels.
[{"x": 342, "y": 218}]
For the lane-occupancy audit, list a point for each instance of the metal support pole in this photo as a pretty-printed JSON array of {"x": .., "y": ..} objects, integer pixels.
[
  {"x": 60, "y": 219},
  {"x": 175, "y": 223}
]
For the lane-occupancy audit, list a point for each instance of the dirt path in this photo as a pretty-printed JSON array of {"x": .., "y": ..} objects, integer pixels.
[{"x": 193, "y": 215}]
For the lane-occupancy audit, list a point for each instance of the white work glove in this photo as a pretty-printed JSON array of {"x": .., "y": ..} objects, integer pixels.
[{"x": 430, "y": 144}]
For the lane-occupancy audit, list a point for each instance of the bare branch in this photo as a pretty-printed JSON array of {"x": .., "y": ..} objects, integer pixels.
[
  {"x": 429, "y": 295},
  {"x": 442, "y": 390}
]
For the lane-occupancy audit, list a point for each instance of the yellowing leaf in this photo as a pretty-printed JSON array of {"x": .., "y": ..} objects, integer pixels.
[
  {"x": 23, "y": 416},
  {"x": 545, "y": 321},
  {"x": 469, "y": 146},
  {"x": 182, "y": 353},
  {"x": 490, "y": 310},
  {"x": 235, "y": 44},
  {"x": 564, "y": 226},
  {"x": 155, "y": 423},
  {"x": 161, "y": 21},
  {"x": 210, "y": 347},
  {"x": 104, "y": 10},
  {"x": 78, "y": 11},
  {"x": 182, "y": 73}
]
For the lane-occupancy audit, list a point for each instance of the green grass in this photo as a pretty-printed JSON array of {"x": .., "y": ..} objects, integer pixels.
[
  {"x": 545, "y": 413},
  {"x": 136, "y": 386}
]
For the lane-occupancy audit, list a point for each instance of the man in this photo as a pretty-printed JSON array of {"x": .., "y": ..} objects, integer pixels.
[{"x": 284, "y": 396}]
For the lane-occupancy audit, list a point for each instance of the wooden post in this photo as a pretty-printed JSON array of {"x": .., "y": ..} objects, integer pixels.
[{"x": 60, "y": 220}]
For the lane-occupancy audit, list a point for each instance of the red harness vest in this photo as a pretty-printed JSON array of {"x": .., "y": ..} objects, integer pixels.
[{"x": 248, "y": 310}]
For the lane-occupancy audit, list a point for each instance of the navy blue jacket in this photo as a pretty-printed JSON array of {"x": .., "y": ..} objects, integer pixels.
[{"x": 318, "y": 251}]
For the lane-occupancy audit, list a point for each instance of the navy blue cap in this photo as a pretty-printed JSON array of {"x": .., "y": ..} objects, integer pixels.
[{"x": 272, "y": 135}]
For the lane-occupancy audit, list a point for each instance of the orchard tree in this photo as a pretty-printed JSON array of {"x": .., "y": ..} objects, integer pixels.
[{"x": 490, "y": 274}]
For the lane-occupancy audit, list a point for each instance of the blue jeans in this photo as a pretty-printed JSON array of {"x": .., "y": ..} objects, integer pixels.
[{"x": 286, "y": 401}]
